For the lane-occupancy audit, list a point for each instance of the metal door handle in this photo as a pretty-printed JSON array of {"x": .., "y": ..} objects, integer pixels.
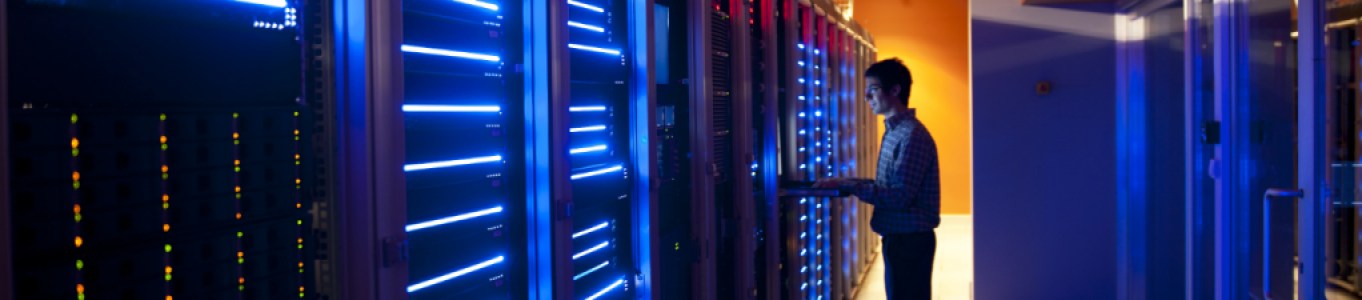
[{"x": 1271, "y": 193}]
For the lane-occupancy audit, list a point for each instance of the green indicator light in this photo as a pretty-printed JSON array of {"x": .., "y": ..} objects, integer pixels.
[{"x": 80, "y": 264}]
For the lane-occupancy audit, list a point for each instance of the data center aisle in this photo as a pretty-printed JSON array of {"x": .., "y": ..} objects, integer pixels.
[{"x": 953, "y": 274}]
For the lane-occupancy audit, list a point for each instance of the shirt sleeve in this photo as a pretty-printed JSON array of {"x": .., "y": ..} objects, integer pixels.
[{"x": 897, "y": 193}]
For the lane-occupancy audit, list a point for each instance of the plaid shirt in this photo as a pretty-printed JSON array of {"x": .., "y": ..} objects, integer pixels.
[{"x": 906, "y": 191}]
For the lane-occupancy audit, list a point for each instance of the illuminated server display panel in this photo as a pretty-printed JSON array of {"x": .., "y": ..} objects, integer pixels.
[
  {"x": 598, "y": 147},
  {"x": 458, "y": 60},
  {"x": 159, "y": 150}
]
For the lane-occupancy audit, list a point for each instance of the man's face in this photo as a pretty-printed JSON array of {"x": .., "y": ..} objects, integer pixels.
[{"x": 881, "y": 99}]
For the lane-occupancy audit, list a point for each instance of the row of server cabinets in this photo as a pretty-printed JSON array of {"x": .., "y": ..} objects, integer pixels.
[{"x": 431, "y": 149}]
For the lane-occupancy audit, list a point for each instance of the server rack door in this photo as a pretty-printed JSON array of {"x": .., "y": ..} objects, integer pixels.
[
  {"x": 740, "y": 227},
  {"x": 168, "y": 163},
  {"x": 646, "y": 249},
  {"x": 461, "y": 132},
  {"x": 6, "y": 274},
  {"x": 600, "y": 143},
  {"x": 765, "y": 167}
]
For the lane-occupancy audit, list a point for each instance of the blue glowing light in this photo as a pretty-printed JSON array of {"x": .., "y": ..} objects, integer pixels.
[
  {"x": 451, "y": 163},
  {"x": 590, "y": 230},
  {"x": 585, "y": 26},
  {"x": 587, "y": 129},
  {"x": 450, "y": 108},
  {"x": 591, "y": 250},
  {"x": 488, "y": 6},
  {"x": 592, "y": 270},
  {"x": 606, "y": 290},
  {"x": 452, "y": 219},
  {"x": 596, "y": 148},
  {"x": 271, "y": 3},
  {"x": 586, "y": 108},
  {"x": 597, "y": 172},
  {"x": 594, "y": 49},
  {"x": 586, "y": 6},
  {"x": 455, "y": 274},
  {"x": 450, "y": 53}
]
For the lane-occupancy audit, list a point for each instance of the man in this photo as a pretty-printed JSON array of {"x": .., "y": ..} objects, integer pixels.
[{"x": 906, "y": 191}]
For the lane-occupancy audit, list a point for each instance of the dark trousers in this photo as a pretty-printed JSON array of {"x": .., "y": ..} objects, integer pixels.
[{"x": 908, "y": 265}]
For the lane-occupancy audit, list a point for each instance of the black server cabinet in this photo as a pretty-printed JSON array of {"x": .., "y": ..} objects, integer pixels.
[
  {"x": 161, "y": 150},
  {"x": 599, "y": 145},
  {"x": 461, "y": 111},
  {"x": 679, "y": 247}
]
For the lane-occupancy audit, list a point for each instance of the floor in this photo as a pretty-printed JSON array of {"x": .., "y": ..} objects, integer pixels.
[{"x": 953, "y": 274}]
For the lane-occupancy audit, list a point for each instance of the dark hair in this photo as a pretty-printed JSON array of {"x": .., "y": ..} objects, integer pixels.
[{"x": 892, "y": 72}]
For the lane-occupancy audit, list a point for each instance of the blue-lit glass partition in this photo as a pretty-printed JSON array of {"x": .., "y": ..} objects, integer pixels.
[
  {"x": 161, "y": 149},
  {"x": 461, "y": 117},
  {"x": 598, "y": 145}
]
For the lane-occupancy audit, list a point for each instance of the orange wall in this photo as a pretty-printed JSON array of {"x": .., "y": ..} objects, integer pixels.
[{"x": 932, "y": 38}]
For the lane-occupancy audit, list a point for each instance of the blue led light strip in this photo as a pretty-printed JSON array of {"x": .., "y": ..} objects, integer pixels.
[
  {"x": 597, "y": 172},
  {"x": 450, "y": 108},
  {"x": 452, "y": 219},
  {"x": 273, "y": 3},
  {"x": 586, "y": 108},
  {"x": 589, "y": 251},
  {"x": 594, "y": 49},
  {"x": 455, "y": 274},
  {"x": 587, "y": 129},
  {"x": 451, "y": 163},
  {"x": 586, "y": 6},
  {"x": 449, "y": 53},
  {"x": 606, "y": 290},
  {"x": 596, "y": 148},
  {"x": 585, "y": 26},
  {"x": 489, "y": 6},
  {"x": 590, "y": 230},
  {"x": 592, "y": 270}
]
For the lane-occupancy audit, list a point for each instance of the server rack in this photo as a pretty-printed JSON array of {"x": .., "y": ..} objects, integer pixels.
[
  {"x": 600, "y": 142},
  {"x": 507, "y": 159},
  {"x": 679, "y": 241},
  {"x": 460, "y": 132},
  {"x": 824, "y": 127},
  {"x": 173, "y": 162}
]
